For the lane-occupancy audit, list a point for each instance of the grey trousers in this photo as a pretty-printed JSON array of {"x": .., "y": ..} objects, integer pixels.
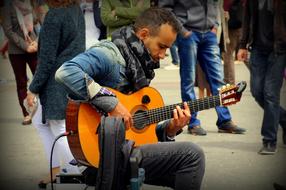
[
  {"x": 228, "y": 57},
  {"x": 179, "y": 165}
]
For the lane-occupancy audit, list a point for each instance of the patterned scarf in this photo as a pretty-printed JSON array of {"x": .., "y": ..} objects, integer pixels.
[{"x": 139, "y": 64}]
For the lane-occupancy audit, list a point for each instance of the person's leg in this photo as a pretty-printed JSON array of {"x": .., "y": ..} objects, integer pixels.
[
  {"x": 258, "y": 68},
  {"x": 273, "y": 84},
  {"x": 18, "y": 62},
  {"x": 282, "y": 122},
  {"x": 32, "y": 62},
  {"x": 179, "y": 165},
  {"x": 201, "y": 81},
  {"x": 201, "y": 92},
  {"x": 58, "y": 127},
  {"x": 47, "y": 138},
  {"x": 228, "y": 58},
  {"x": 46, "y": 135},
  {"x": 174, "y": 54},
  {"x": 209, "y": 58},
  {"x": 282, "y": 119},
  {"x": 187, "y": 49}
]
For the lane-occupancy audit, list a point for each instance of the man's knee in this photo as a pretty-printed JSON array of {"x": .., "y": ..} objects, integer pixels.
[{"x": 195, "y": 153}]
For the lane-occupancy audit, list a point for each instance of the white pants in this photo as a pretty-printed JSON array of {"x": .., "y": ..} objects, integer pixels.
[{"x": 48, "y": 132}]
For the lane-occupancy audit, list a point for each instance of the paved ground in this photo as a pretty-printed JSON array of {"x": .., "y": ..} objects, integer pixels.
[{"x": 232, "y": 161}]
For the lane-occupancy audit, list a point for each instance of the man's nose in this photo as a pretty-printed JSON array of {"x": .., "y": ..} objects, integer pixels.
[{"x": 162, "y": 54}]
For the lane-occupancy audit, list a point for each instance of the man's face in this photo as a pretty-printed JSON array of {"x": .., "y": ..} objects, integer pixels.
[{"x": 159, "y": 43}]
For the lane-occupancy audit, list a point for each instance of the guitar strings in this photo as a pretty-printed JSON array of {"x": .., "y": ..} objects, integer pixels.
[
  {"x": 202, "y": 103},
  {"x": 197, "y": 105}
]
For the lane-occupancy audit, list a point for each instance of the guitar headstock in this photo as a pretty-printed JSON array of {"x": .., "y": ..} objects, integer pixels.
[{"x": 230, "y": 94}]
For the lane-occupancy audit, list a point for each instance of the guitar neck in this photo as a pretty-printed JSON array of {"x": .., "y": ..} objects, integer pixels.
[{"x": 166, "y": 112}]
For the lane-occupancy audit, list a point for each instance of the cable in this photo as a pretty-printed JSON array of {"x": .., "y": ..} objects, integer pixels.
[{"x": 51, "y": 158}]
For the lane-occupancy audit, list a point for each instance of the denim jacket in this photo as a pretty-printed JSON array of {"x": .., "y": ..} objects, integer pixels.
[{"x": 102, "y": 64}]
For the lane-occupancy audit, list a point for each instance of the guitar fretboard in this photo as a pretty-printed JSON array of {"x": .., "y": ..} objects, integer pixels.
[{"x": 160, "y": 114}]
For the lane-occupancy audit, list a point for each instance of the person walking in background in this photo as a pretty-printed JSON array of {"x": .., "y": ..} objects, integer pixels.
[
  {"x": 198, "y": 42},
  {"x": 3, "y": 43},
  {"x": 92, "y": 32},
  {"x": 40, "y": 12},
  {"x": 62, "y": 37},
  {"x": 174, "y": 57},
  {"x": 18, "y": 27},
  {"x": 97, "y": 19},
  {"x": 117, "y": 13},
  {"x": 201, "y": 82},
  {"x": 264, "y": 32},
  {"x": 234, "y": 9}
]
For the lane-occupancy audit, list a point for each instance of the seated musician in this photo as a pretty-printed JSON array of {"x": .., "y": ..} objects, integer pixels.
[{"x": 127, "y": 64}]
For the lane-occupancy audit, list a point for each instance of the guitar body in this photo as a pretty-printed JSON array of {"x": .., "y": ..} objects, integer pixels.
[
  {"x": 147, "y": 109},
  {"x": 83, "y": 120}
]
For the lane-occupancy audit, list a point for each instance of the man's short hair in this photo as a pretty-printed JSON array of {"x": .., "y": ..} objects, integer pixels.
[{"x": 152, "y": 18}]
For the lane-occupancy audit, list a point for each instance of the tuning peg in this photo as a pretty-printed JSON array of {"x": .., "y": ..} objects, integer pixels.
[
  {"x": 227, "y": 85},
  {"x": 223, "y": 87},
  {"x": 218, "y": 89}
]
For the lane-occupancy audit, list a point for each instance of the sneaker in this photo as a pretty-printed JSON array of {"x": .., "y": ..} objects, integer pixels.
[
  {"x": 197, "y": 130},
  {"x": 267, "y": 149},
  {"x": 230, "y": 127},
  {"x": 27, "y": 120}
]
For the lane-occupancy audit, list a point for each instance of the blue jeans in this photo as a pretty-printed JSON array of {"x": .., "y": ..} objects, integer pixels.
[
  {"x": 266, "y": 69},
  {"x": 201, "y": 47},
  {"x": 174, "y": 54}
]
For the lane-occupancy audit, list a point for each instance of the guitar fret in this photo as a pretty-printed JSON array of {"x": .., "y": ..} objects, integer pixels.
[
  {"x": 159, "y": 114},
  {"x": 213, "y": 101},
  {"x": 150, "y": 114},
  {"x": 217, "y": 100}
]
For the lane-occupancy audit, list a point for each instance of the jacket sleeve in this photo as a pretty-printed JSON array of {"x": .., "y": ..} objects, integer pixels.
[
  {"x": 245, "y": 26},
  {"x": 8, "y": 28},
  {"x": 133, "y": 11},
  {"x": 109, "y": 20},
  {"x": 49, "y": 44},
  {"x": 161, "y": 131},
  {"x": 80, "y": 78}
]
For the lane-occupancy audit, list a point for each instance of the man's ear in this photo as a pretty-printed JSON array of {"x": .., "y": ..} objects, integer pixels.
[{"x": 143, "y": 33}]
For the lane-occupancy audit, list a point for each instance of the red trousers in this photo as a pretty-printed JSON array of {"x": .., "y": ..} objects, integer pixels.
[{"x": 19, "y": 62}]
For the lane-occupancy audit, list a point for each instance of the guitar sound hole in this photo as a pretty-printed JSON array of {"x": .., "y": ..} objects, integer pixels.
[{"x": 140, "y": 119}]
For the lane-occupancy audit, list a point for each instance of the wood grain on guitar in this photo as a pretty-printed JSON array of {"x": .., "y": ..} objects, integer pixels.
[{"x": 147, "y": 109}]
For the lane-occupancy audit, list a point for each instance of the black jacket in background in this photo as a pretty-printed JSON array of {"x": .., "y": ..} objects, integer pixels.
[{"x": 279, "y": 26}]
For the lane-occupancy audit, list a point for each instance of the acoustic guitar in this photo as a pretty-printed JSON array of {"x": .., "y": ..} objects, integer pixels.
[{"x": 147, "y": 109}]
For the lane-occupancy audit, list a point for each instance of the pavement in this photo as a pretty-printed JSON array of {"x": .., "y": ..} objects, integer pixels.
[{"x": 232, "y": 161}]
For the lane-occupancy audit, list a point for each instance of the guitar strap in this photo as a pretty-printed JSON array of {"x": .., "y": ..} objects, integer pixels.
[{"x": 113, "y": 172}]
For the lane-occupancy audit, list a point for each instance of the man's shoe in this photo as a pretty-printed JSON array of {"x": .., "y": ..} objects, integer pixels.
[
  {"x": 230, "y": 127},
  {"x": 197, "y": 130},
  {"x": 268, "y": 149},
  {"x": 27, "y": 120}
]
